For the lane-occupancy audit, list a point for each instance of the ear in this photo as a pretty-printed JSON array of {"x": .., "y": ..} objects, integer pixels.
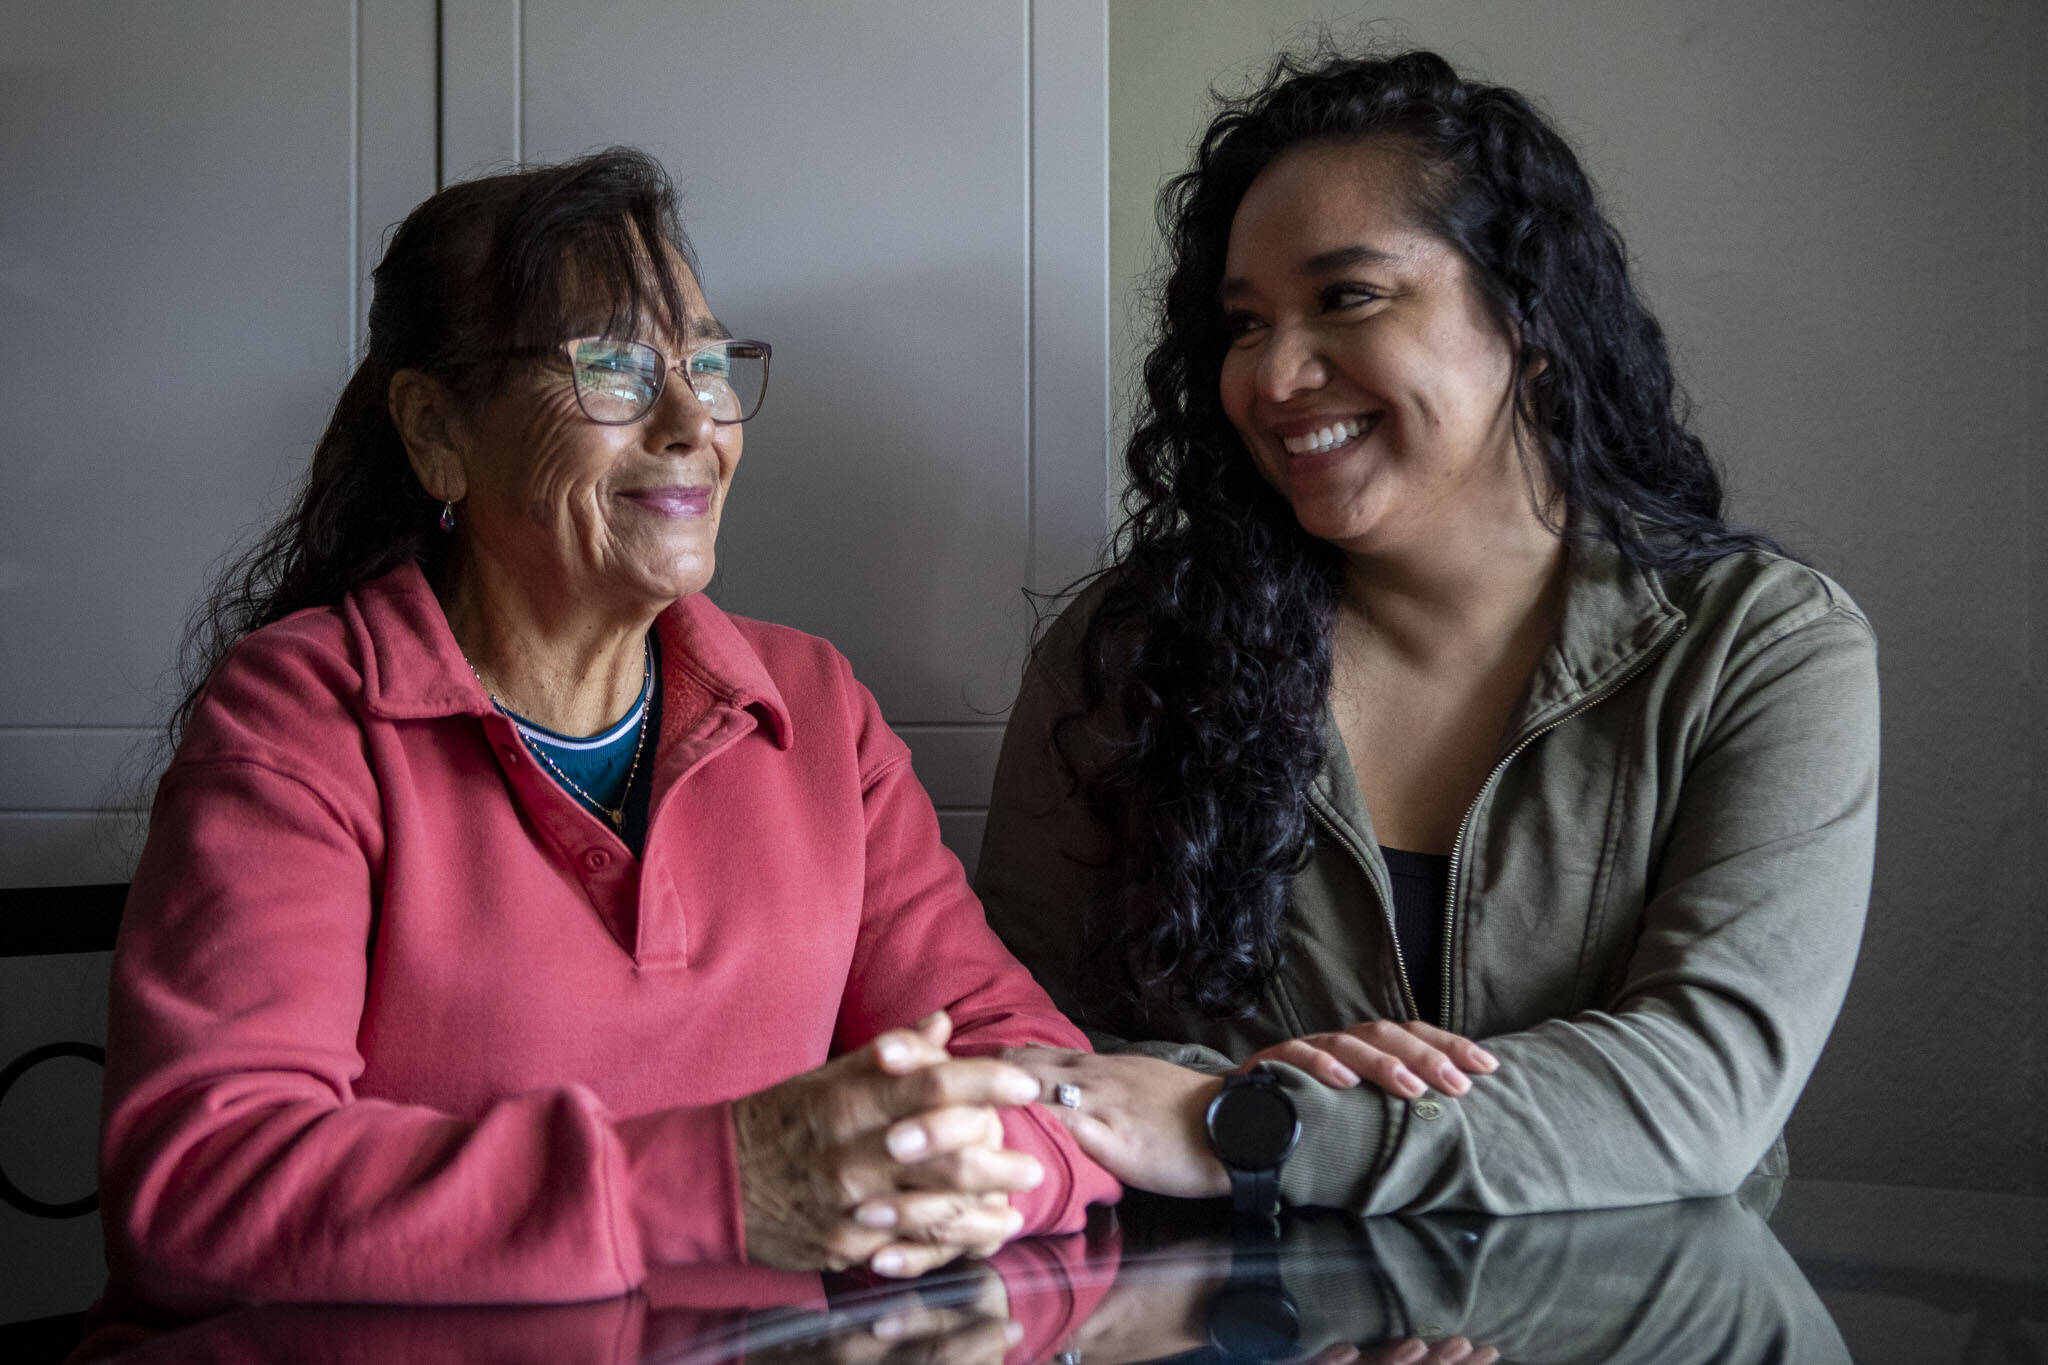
[{"x": 424, "y": 414}]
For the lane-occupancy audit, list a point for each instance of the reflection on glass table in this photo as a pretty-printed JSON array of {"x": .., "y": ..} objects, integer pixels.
[{"x": 1705, "y": 1280}]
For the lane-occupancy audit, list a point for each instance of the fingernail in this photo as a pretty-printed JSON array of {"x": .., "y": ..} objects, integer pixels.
[
  {"x": 875, "y": 1216},
  {"x": 1410, "y": 1083},
  {"x": 1485, "y": 1059},
  {"x": 907, "y": 1144},
  {"x": 889, "y": 1328},
  {"x": 1020, "y": 1089},
  {"x": 1410, "y": 1351},
  {"x": 893, "y": 1051},
  {"x": 1452, "y": 1079},
  {"x": 1343, "y": 1075},
  {"x": 1034, "y": 1175},
  {"x": 1013, "y": 1331},
  {"x": 888, "y": 1263}
]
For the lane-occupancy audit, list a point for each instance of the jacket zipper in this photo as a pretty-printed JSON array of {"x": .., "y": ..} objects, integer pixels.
[
  {"x": 1400, "y": 965},
  {"x": 1464, "y": 825}
]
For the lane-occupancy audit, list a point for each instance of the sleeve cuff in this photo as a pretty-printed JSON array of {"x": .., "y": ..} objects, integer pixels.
[
  {"x": 1072, "y": 1181},
  {"x": 1346, "y": 1136},
  {"x": 680, "y": 1188},
  {"x": 1193, "y": 1056}
]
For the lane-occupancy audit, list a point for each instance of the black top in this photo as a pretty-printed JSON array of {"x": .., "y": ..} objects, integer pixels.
[{"x": 1420, "y": 881}]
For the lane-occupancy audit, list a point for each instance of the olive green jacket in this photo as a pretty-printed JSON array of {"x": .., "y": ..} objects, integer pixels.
[{"x": 1655, "y": 902}]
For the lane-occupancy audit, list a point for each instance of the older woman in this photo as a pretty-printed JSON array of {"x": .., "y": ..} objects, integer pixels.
[
  {"x": 1431, "y": 702},
  {"x": 505, "y": 899}
]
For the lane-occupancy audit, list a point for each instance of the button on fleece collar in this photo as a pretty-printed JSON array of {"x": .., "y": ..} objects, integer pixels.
[{"x": 414, "y": 670}]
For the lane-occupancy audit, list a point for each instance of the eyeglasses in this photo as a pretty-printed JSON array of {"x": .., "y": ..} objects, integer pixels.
[{"x": 620, "y": 381}]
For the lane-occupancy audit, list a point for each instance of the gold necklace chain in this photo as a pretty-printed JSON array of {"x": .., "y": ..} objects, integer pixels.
[{"x": 617, "y": 817}]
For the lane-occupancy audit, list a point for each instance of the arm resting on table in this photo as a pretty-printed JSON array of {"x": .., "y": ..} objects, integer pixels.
[{"x": 237, "y": 1162}]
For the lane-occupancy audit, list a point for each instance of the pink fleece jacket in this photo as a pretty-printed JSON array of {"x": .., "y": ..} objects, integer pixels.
[{"x": 395, "y": 1019}]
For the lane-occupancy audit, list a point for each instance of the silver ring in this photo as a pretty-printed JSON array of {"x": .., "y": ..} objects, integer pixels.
[{"x": 1067, "y": 1094}]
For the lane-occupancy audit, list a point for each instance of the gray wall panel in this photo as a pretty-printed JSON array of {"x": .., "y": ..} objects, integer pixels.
[
  {"x": 1069, "y": 288},
  {"x": 200, "y": 227},
  {"x": 398, "y": 113},
  {"x": 857, "y": 185},
  {"x": 960, "y": 831},
  {"x": 479, "y": 93},
  {"x": 67, "y": 770},
  {"x": 956, "y": 763},
  {"x": 2034, "y": 1035},
  {"x": 177, "y": 240}
]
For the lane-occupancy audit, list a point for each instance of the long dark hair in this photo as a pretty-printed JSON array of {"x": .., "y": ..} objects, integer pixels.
[
  {"x": 1209, "y": 643},
  {"x": 509, "y": 263}
]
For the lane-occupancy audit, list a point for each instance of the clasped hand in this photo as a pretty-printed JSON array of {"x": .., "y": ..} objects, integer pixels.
[{"x": 891, "y": 1156}]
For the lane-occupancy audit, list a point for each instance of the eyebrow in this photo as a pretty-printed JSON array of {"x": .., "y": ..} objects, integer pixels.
[
  {"x": 1322, "y": 263},
  {"x": 707, "y": 328},
  {"x": 1343, "y": 257}
]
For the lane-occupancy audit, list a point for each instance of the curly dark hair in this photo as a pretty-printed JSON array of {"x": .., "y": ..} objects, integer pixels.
[
  {"x": 511, "y": 263},
  {"x": 1210, "y": 641}
]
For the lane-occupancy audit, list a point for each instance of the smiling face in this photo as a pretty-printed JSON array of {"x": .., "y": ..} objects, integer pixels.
[
  {"x": 1366, "y": 376},
  {"x": 626, "y": 514}
]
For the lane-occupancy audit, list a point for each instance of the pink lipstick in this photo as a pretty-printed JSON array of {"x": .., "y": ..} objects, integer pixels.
[{"x": 671, "y": 501}]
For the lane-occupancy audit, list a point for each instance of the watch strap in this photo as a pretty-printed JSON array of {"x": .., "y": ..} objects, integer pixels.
[{"x": 1254, "y": 1194}]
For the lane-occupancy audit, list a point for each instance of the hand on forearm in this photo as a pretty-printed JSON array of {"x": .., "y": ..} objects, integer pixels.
[
  {"x": 891, "y": 1156},
  {"x": 1402, "y": 1059},
  {"x": 1139, "y": 1118}
]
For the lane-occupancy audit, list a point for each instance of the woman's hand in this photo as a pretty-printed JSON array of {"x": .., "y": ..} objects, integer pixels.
[
  {"x": 1402, "y": 1059},
  {"x": 1140, "y": 1118},
  {"x": 892, "y": 1156}
]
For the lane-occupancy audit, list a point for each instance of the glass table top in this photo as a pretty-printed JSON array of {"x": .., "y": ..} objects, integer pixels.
[{"x": 1808, "y": 1271}]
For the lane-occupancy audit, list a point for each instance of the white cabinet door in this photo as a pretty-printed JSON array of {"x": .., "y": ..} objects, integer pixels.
[{"x": 193, "y": 196}]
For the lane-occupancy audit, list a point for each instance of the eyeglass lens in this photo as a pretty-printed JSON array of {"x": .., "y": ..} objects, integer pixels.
[{"x": 618, "y": 381}]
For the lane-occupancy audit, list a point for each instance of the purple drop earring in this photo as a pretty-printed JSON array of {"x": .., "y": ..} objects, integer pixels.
[{"x": 448, "y": 515}]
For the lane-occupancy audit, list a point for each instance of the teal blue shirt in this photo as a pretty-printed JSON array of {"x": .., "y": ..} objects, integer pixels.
[{"x": 602, "y": 764}]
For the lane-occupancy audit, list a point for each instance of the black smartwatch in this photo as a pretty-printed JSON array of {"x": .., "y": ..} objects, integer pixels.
[
  {"x": 1252, "y": 1319},
  {"x": 1252, "y": 1127}
]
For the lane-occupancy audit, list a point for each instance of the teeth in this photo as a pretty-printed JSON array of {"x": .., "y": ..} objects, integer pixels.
[{"x": 1327, "y": 438}]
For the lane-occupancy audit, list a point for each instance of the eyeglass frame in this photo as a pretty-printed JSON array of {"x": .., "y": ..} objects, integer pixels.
[{"x": 563, "y": 351}]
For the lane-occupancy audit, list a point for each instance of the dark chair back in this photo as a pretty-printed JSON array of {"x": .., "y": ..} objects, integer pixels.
[
  {"x": 53, "y": 980},
  {"x": 52, "y": 921}
]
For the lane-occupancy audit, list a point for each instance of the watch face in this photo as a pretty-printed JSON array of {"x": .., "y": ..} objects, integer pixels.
[
  {"x": 1255, "y": 1322},
  {"x": 1253, "y": 1126}
]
